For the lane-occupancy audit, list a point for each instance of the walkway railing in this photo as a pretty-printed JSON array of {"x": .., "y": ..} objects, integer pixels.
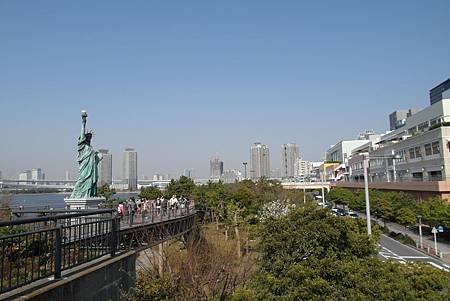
[{"x": 44, "y": 246}]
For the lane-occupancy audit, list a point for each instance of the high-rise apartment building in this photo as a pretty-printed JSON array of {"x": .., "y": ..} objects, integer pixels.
[
  {"x": 259, "y": 160},
  {"x": 188, "y": 172},
  {"x": 441, "y": 91},
  {"x": 36, "y": 174},
  {"x": 289, "y": 155},
  {"x": 105, "y": 168},
  {"x": 215, "y": 168},
  {"x": 303, "y": 169},
  {"x": 130, "y": 168}
]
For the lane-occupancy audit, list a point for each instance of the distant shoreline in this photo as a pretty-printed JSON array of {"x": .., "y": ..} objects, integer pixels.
[
  {"x": 32, "y": 192},
  {"x": 56, "y": 192}
]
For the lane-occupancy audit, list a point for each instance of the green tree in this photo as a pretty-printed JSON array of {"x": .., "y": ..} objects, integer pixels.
[
  {"x": 183, "y": 186},
  {"x": 106, "y": 192},
  {"x": 435, "y": 212},
  {"x": 150, "y": 193},
  {"x": 341, "y": 196},
  {"x": 406, "y": 216},
  {"x": 311, "y": 255}
]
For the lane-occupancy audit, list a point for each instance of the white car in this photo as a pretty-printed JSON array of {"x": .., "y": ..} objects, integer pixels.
[{"x": 352, "y": 214}]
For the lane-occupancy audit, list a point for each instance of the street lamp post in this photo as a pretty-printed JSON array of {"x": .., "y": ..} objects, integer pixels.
[
  {"x": 245, "y": 169},
  {"x": 419, "y": 217},
  {"x": 323, "y": 197},
  {"x": 366, "y": 191},
  {"x": 366, "y": 184},
  {"x": 393, "y": 165}
]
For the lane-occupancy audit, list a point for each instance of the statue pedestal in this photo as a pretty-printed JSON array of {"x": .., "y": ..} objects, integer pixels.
[{"x": 83, "y": 203}]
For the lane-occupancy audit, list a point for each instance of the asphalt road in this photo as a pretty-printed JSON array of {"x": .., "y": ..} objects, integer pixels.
[{"x": 392, "y": 249}]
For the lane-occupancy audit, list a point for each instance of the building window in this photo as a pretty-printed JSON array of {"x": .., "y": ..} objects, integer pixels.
[
  {"x": 435, "y": 175},
  {"x": 428, "y": 151},
  {"x": 436, "y": 148},
  {"x": 433, "y": 121},
  {"x": 401, "y": 155},
  {"x": 423, "y": 126},
  {"x": 412, "y": 155},
  {"x": 412, "y": 131},
  {"x": 418, "y": 152},
  {"x": 417, "y": 176}
]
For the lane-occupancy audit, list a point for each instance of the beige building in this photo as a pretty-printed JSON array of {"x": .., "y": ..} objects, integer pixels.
[{"x": 259, "y": 161}]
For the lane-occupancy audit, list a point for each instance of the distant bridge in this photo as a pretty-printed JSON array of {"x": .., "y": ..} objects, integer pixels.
[
  {"x": 32, "y": 184},
  {"x": 43, "y": 249},
  {"x": 307, "y": 185}
]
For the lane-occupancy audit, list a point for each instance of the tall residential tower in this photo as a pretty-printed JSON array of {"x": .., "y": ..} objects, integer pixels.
[
  {"x": 130, "y": 168},
  {"x": 105, "y": 168},
  {"x": 215, "y": 168},
  {"x": 259, "y": 160},
  {"x": 289, "y": 155}
]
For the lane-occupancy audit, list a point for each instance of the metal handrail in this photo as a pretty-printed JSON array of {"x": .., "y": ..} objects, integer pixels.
[
  {"x": 36, "y": 254},
  {"x": 23, "y": 221},
  {"x": 56, "y": 211}
]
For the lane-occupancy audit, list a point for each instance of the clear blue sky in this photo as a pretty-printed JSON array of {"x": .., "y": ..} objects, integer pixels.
[{"x": 182, "y": 81}]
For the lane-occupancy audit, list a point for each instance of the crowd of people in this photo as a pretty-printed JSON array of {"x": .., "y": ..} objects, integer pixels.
[{"x": 160, "y": 206}]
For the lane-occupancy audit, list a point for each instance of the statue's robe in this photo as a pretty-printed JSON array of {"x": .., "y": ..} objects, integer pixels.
[{"x": 88, "y": 159}]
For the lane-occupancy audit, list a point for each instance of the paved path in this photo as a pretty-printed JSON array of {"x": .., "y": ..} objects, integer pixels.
[
  {"x": 392, "y": 249},
  {"x": 428, "y": 240}
]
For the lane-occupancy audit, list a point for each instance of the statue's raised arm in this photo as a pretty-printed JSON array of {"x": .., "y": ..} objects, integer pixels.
[{"x": 83, "y": 125}]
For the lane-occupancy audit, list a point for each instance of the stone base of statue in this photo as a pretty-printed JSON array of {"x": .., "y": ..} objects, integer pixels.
[{"x": 84, "y": 203}]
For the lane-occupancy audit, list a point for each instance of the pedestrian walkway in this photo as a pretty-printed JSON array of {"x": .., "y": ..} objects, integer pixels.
[{"x": 428, "y": 240}]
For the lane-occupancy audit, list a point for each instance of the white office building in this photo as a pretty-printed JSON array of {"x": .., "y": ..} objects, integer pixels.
[
  {"x": 341, "y": 151},
  {"x": 421, "y": 146},
  {"x": 25, "y": 175},
  {"x": 231, "y": 176}
]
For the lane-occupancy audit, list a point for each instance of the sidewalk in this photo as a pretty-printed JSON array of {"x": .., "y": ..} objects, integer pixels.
[{"x": 428, "y": 240}]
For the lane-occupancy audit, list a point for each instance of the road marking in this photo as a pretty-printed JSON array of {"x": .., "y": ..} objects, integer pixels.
[
  {"x": 386, "y": 253},
  {"x": 389, "y": 254},
  {"x": 414, "y": 257},
  {"x": 437, "y": 266}
]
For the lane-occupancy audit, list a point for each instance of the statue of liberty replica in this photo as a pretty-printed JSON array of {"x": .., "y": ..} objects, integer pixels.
[{"x": 84, "y": 195}]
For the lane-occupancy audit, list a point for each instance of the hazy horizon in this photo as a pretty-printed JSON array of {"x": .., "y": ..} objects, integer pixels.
[{"x": 182, "y": 82}]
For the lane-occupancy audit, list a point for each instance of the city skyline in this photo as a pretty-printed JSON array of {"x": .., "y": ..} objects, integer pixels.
[{"x": 242, "y": 72}]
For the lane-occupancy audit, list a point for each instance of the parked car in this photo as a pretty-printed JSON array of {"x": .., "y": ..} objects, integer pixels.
[
  {"x": 338, "y": 212},
  {"x": 352, "y": 214}
]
